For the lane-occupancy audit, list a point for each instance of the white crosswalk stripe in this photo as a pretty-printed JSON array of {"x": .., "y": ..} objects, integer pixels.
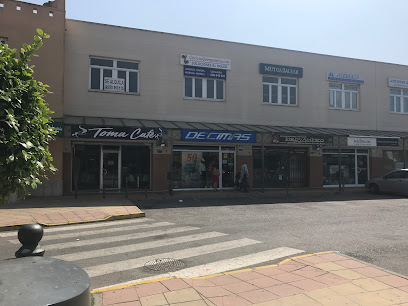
[
  {"x": 115, "y": 252},
  {"x": 66, "y": 245},
  {"x": 64, "y": 228},
  {"x": 140, "y": 246},
  {"x": 182, "y": 254},
  {"x": 224, "y": 265}
]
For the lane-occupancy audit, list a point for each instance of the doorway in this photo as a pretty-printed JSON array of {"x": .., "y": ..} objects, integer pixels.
[{"x": 110, "y": 170}]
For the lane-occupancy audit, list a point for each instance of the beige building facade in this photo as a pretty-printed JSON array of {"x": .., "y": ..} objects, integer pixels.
[
  {"x": 152, "y": 111},
  {"x": 18, "y": 23},
  {"x": 297, "y": 109}
]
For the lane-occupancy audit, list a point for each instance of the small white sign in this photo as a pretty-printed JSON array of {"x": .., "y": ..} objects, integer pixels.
[
  {"x": 397, "y": 83},
  {"x": 361, "y": 142},
  {"x": 114, "y": 84},
  {"x": 345, "y": 77},
  {"x": 205, "y": 61}
]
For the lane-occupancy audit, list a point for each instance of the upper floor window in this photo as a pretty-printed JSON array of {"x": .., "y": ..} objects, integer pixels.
[
  {"x": 398, "y": 101},
  {"x": 203, "y": 88},
  {"x": 343, "y": 96},
  {"x": 113, "y": 75},
  {"x": 279, "y": 90}
]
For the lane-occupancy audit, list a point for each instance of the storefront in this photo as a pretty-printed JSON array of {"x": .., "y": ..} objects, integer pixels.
[
  {"x": 353, "y": 164},
  {"x": 112, "y": 158},
  {"x": 200, "y": 151}
]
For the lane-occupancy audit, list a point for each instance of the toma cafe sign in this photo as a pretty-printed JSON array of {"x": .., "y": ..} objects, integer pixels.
[{"x": 113, "y": 132}]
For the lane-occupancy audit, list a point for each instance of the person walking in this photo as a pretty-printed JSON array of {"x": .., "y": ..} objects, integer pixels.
[
  {"x": 244, "y": 177},
  {"x": 215, "y": 177},
  {"x": 203, "y": 173}
]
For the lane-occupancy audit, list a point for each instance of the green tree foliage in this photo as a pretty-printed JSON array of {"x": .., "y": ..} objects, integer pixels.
[{"x": 25, "y": 129}]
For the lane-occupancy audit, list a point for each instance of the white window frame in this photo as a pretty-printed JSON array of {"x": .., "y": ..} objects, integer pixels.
[
  {"x": 401, "y": 96},
  {"x": 343, "y": 96},
  {"x": 280, "y": 85},
  {"x": 204, "y": 89},
  {"x": 114, "y": 70}
]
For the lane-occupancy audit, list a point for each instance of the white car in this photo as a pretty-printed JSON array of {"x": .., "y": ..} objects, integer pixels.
[{"x": 395, "y": 182}]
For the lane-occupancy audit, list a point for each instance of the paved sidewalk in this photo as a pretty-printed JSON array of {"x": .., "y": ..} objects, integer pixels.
[
  {"x": 66, "y": 210},
  {"x": 318, "y": 279}
]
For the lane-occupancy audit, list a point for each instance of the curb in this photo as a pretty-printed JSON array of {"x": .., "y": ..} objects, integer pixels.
[
  {"x": 12, "y": 227},
  {"x": 116, "y": 287}
]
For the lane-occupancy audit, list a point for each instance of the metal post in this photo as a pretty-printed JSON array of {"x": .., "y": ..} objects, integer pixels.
[
  {"x": 171, "y": 165},
  {"x": 126, "y": 186},
  {"x": 404, "y": 153},
  {"x": 263, "y": 164},
  {"x": 103, "y": 189},
  {"x": 340, "y": 176}
]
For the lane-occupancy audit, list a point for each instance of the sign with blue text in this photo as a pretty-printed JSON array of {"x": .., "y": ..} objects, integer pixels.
[
  {"x": 205, "y": 72},
  {"x": 218, "y": 136},
  {"x": 397, "y": 83},
  {"x": 205, "y": 61},
  {"x": 294, "y": 72},
  {"x": 345, "y": 77}
]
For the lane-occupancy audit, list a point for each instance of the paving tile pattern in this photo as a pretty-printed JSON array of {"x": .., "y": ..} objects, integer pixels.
[
  {"x": 66, "y": 210},
  {"x": 319, "y": 279}
]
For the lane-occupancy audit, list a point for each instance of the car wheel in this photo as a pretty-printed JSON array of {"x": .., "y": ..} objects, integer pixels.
[{"x": 374, "y": 188}]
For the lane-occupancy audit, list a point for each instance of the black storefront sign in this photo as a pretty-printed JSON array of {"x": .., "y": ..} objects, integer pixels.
[
  {"x": 387, "y": 142},
  {"x": 116, "y": 132},
  {"x": 302, "y": 140},
  {"x": 294, "y": 72}
]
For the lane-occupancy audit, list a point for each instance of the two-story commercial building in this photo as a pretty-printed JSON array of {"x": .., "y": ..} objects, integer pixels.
[{"x": 146, "y": 110}]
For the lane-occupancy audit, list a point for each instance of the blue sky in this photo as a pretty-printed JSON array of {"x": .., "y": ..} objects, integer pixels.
[{"x": 365, "y": 29}]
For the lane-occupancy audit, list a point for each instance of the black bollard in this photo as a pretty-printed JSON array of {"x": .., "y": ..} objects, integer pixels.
[{"x": 30, "y": 235}]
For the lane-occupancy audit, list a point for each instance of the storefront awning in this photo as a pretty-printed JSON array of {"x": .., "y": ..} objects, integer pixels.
[{"x": 282, "y": 130}]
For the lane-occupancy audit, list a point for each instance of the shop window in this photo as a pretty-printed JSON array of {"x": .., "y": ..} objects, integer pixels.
[
  {"x": 343, "y": 96},
  {"x": 392, "y": 160},
  {"x": 283, "y": 167},
  {"x": 111, "y": 75},
  {"x": 202, "y": 88},
  {"x": 277, "y": 90},
  {"x": 135, "y": 167},
  {"x": 354, "y": 167},
  {"x": 398, "y": 101}
]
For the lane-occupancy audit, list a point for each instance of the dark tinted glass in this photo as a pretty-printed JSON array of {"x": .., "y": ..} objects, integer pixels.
[
  {"x": 101, "y": 62},
  {"x": 288, "y": 81},
  {"x": 128, "y": 65},
  {"x": 188, "y": 87},
  {"x": 220, "y": 90},
  {"x": 210, "y": 89},
  {"x": 198, "y": 88},
  {"x": 133, "y": 82},
  {"x": 265, "y": 93},
  {"x": 269, "y": 80},
  {"x": 95, "y": 78}
]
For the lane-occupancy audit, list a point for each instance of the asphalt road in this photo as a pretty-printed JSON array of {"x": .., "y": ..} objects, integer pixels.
[{"x": 371, "y": 228}]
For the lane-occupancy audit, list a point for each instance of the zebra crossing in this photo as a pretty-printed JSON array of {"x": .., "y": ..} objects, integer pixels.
[{"x": 116, "y": 252}]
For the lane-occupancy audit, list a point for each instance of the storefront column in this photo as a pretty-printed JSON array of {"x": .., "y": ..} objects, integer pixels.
[
  {"x": 245, "y": 156},
  {"x": 376, "y": 163},
  {"x": 316, "y": 169},
  {"x": 160, "y": 168}
]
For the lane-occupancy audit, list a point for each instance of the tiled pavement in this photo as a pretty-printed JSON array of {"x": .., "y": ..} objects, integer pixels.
[
  {"x": 317, "y": 279},
  {"x": 66, "y": 210}
]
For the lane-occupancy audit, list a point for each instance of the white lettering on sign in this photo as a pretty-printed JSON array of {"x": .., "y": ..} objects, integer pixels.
[
  {"x": 218, "y": 136},
  {"x": 282, "y": 70},
  {"x": 205, "y": 61},
  {"x": 114, "y": 84},
  {"x": 397, "y": 83},
  {"x": 345, "y": 77},
  {"x": 361, "y": 142}
]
